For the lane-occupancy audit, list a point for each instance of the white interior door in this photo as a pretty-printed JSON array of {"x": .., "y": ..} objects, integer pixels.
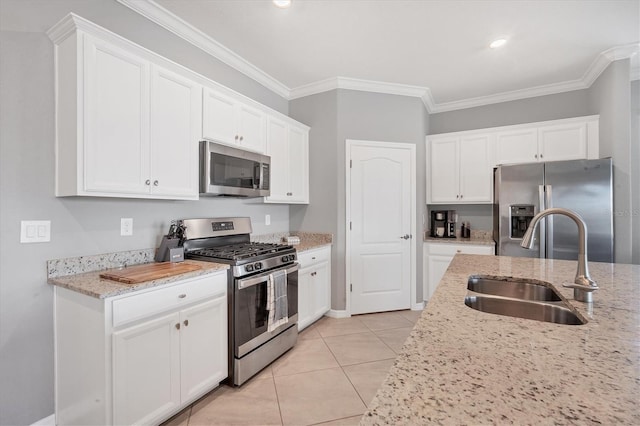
[{"x": 381, "y": 197}]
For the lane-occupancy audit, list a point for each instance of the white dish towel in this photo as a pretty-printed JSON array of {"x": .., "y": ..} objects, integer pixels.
[{"x": 277, "y": 302}]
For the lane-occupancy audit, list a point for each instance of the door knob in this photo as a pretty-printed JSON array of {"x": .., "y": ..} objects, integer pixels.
[{"x": 406, "y": 236}]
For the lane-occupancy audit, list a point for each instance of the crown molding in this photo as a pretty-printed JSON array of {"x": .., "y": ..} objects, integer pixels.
[{"x": 161, "y": 16}]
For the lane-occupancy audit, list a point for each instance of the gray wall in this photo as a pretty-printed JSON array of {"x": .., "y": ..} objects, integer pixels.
[
  {"x": 609, "y": 96},
  {"x": 363, "y": 116},
  {"x": 80, "y": 226},
  {"x": 541, "y": 108}
]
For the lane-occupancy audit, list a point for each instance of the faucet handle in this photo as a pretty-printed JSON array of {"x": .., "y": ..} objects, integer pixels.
[{"x": 583, "y": 289}]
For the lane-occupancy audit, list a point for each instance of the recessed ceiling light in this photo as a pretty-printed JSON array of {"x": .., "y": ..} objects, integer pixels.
[
  {"x": 282, "y": 3},
  {"x": 497, "y": 43}
]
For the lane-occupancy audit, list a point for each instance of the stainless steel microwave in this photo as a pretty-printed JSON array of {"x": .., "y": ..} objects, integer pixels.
[{"x": 233, "y": 172}]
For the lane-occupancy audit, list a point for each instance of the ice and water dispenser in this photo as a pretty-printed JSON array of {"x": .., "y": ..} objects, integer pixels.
[{"x": 521, "y": 216}]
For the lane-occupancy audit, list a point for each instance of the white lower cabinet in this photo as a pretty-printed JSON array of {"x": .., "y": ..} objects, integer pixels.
[
  {"x": 314, "y": 285},
  {"x": 438, "y": 256},
  {"x": 116, "y": 367}
]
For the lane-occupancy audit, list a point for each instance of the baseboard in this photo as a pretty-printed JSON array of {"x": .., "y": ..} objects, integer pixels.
[
  {"x": 47, "y": 421},
  {"x": 418, "y": 306},
  {"x": 334, "y": 313}
]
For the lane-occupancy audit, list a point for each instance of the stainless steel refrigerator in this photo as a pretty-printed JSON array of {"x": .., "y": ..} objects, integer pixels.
[{"x": 584, "y": 186}]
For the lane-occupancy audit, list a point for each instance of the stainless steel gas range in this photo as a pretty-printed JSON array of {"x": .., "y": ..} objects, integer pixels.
[{"x": 263, "y": 290}]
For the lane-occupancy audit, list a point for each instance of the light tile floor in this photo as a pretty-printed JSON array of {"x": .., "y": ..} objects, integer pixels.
[{"x": 328, "y": 378}]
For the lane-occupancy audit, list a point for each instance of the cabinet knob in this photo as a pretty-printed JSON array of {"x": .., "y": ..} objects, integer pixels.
[
  {"x": 458, "y": 251},
  {"x": 313, "y": 274},
  {"x": 461, "y": 196},
  {"x": 182, "y": 296},
  {"x": 541, "y": 156},
  {"x": 313, "y": 258},
  {"x": 155, "y": 183},
  {"x": 178, "y": 326},
  {"x": 241, "y": 137},
  {"x": 186, "y": 322},
  {"x": 457, "y": 196},
  {"x": 536, "y": 156},
  {"x": 237, "y": 137},
  {"x": 147, "y": 182}
]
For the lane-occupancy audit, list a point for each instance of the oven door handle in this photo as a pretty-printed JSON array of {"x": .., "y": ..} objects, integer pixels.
[{"x": 248, "y": 282}]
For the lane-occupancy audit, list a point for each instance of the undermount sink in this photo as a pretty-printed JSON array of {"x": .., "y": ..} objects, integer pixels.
[
  {"x": 517, "y": 288},
  {"x": 540, "y": 311},
  {"x": 520, "y": 298}
]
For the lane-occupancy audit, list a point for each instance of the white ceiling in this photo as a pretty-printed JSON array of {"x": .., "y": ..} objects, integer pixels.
[{"x": 553, "y": 45}]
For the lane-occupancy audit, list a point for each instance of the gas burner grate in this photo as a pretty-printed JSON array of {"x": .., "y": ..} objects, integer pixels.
[{"x": 240, "y": 251}]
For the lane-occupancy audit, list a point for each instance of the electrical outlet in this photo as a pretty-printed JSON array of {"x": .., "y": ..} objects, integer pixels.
[
  {"x": 126, "y": 226},
  {"x": 267, "y": 219}
]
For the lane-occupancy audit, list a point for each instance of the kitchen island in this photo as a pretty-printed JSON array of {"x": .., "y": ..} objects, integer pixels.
[{"x": 463, "y": 366}]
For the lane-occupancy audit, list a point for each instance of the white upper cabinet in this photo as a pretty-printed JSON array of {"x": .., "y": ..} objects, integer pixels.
[
  {"x": 568, "y": 139},
  {"x": 288, "y": 147},
  {"x": 175, "y": 122},
  {"x": 126, "y": 127},
  {"x": 460, "y": 164},
  {"x": 116, "y": 124},
  {"x": 460, "y": 169},
  {"x": 231, "y": 122}
]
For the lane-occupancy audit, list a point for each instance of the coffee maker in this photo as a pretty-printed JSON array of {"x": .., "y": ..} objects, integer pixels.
[{"x": 443, "y": 223}]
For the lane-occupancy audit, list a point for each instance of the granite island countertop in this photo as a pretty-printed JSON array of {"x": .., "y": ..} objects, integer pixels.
[{"x": 462, "y": 366}]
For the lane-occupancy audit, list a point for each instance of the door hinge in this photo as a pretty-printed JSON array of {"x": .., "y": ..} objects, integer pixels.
[
  {"x": 351, "y": 288},
  {"x": 351, "y": 164}
]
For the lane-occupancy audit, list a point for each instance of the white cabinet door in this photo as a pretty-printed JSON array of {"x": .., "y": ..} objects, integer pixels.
[
  {"x": 175, "y": 112},
  {"x": 321, "y": 277},
  {"x": 288, "y": 147},
  {"x": 305, "y": 298},
  {"x": 298, "y": 165},
  {"x": 116, "y": 110},
  {"x": 219, "y": 117},
  {"x": 476, "y": 170},
  {"x": 444, "y": 170},
  {"x": 517, "y": 146},
  {"x": 203, "y": 347},
  {"x": 146, "y": 371},
  {"x": 563, "y": 142},
  {"x": 278, "y": 150},
  {"x": 251, "y": 128},
  {"x": 437, "y": 267}
]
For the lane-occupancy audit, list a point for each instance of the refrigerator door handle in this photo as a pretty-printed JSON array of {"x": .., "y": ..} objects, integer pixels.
[
  {"x": 548, "y": 203},
  {"x": 542, "y": 230}
]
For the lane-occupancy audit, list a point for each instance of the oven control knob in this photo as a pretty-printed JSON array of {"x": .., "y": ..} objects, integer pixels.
[
  {"x": 249, "y": 268},
  {"x": 257, "y": 266},
  {"x": 285, "y": 258}
]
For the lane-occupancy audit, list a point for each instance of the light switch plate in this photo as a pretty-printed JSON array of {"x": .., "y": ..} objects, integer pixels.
[{"x": 35, "y": 231}]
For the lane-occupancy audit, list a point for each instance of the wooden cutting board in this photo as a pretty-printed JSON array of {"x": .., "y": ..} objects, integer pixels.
[{"x": 148, "y": 272}]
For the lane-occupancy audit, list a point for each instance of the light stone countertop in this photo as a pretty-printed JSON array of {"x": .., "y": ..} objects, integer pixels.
[
  {"x": 463, "y": 366},
  {"x": 478, "y": 237},
  {"x": 308, "y": 240},
  {"x": 91, "y": 284}
]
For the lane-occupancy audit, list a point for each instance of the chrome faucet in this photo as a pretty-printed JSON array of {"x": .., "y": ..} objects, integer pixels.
[{"x": 583, "y": 286}]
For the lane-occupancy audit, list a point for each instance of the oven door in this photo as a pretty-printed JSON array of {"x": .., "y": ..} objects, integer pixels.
[{"x": 250, "y": 313}]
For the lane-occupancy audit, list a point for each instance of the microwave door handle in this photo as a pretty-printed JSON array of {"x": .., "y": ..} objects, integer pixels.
[{"x": 261, "y": 173}]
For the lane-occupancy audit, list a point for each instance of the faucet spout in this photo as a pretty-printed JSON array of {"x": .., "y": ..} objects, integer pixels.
[{"x": 583, "y": 286}]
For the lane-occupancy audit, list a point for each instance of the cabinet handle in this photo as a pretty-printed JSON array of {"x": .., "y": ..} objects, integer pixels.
[
  {"x": 458, "y": 251},
  {"x": 155, "y": 183},
  {"x": 313, "y": 258},
  {"x": 178, "y": 326},
  {"x": 457, "y": 196},
  {"x": 241, "y": 137},
  {"x": 536, "y": 156},
  {"x": 461, "y": 196},
  {"x": 182, "y": 296},
  {"x": 313, "y": 274},
  {"x": 147, "y": 182},
  {"x": 237, "y": 137},
  {"x": 541, "y": 156},
  {"x": 186, "y": 322}
]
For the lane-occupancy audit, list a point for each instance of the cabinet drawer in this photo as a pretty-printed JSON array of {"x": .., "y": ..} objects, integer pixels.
[
  {"x": 311, "y": 257},
  {"x": 152, "y": 302},
  {"x": 452, "y": 249}
]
